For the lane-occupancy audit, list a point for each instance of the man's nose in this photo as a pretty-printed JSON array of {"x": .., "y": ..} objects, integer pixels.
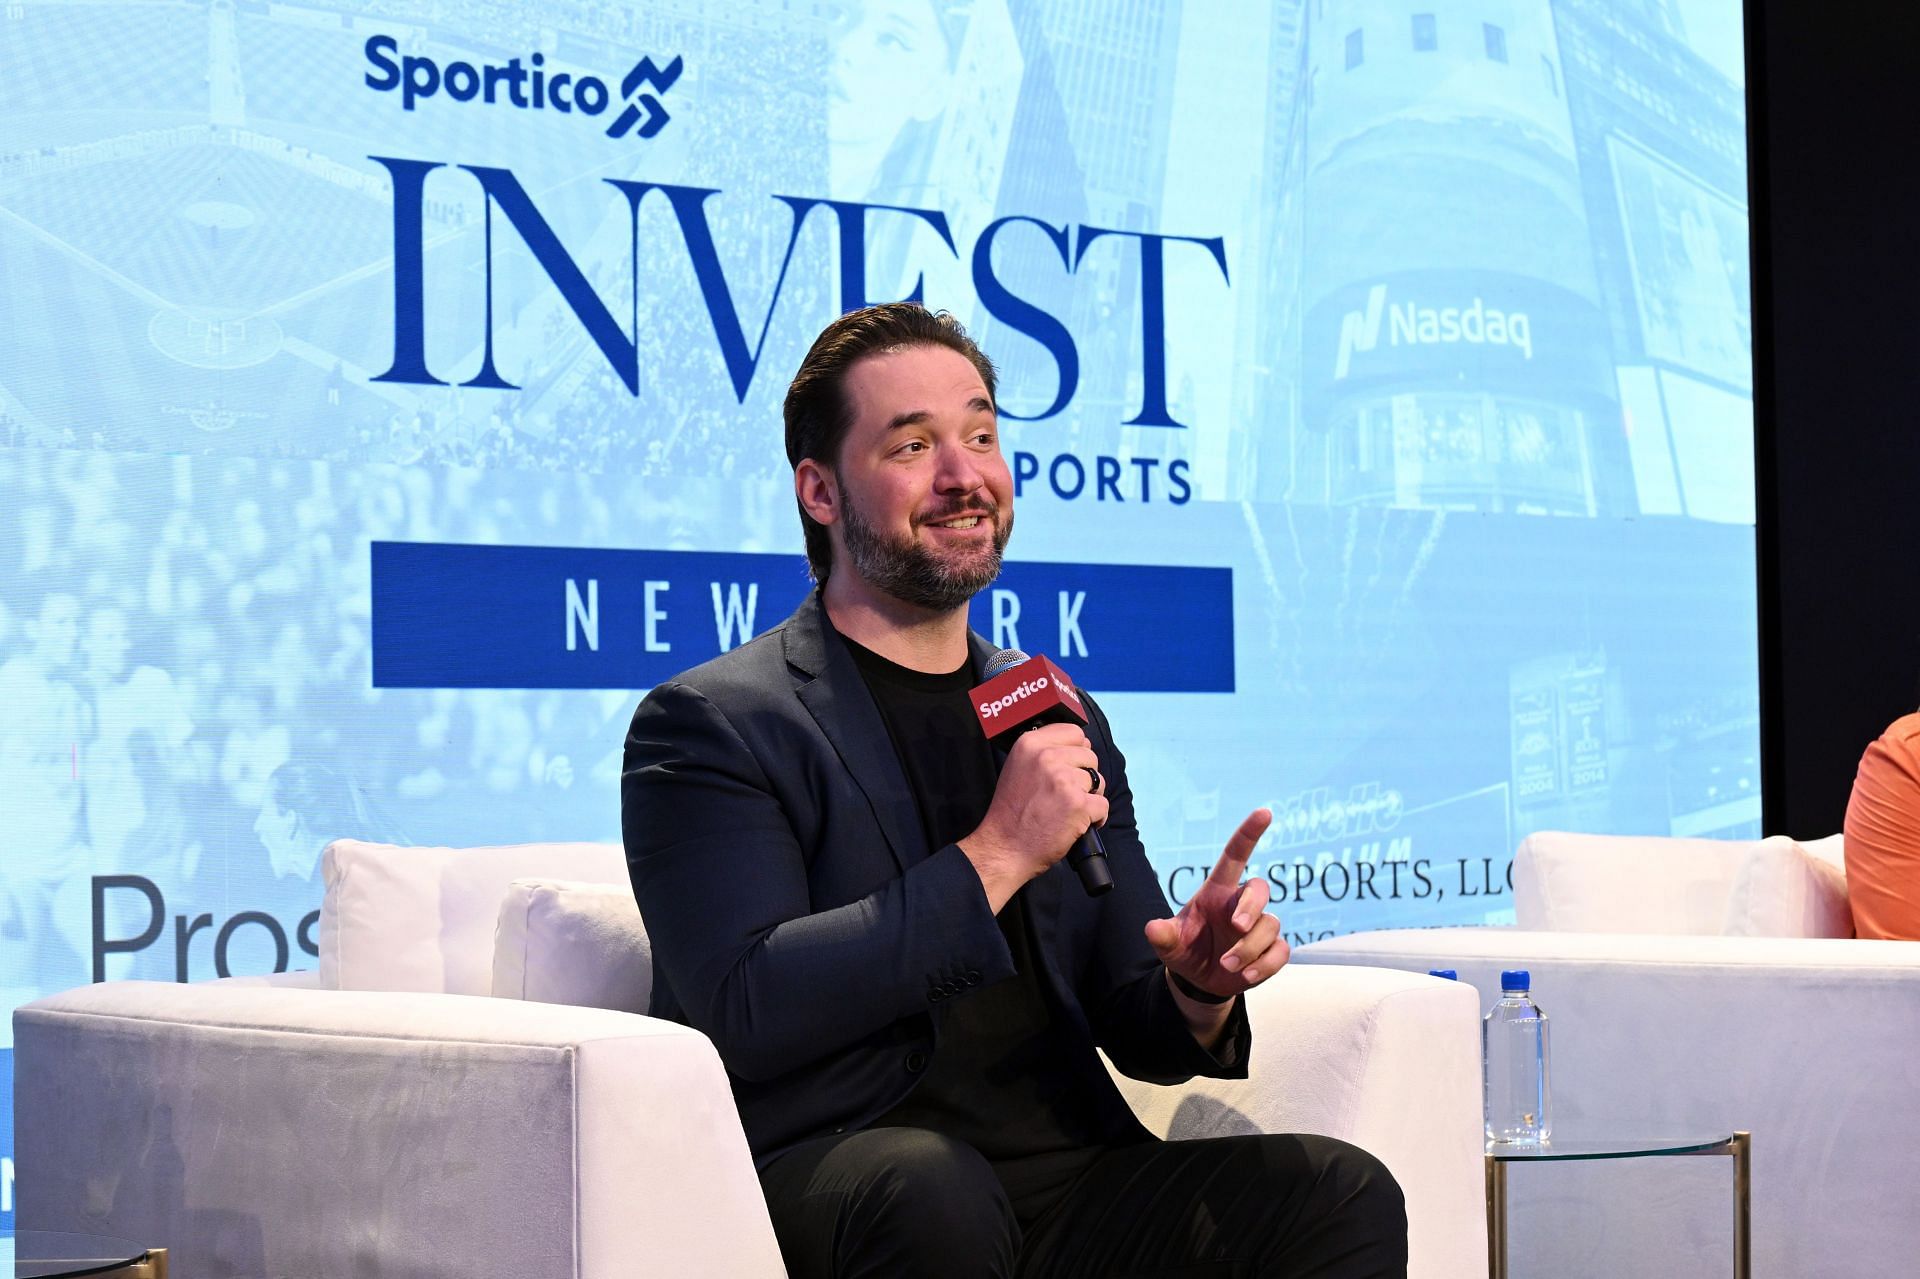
[{"x": 958, "y": 471}]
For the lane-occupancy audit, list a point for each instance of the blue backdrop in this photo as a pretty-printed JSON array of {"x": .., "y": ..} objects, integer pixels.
[{"x": 390, "y": 391}]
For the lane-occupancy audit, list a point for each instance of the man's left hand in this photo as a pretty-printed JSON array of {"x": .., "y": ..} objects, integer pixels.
[{"x": 1223, "y": 941}]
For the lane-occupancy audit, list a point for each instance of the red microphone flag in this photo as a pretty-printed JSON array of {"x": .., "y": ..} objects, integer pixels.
[{"x": 1035, "y": 690}]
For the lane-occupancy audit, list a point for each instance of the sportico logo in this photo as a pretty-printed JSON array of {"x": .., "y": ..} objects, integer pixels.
[
  {"x": 525, "y": 86},
  {"x": 1019, "y": 693}
]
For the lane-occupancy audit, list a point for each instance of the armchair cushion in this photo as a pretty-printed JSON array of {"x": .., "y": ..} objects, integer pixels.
[
  {"x": 1785, "y": 889},
  {"x": 564, "y": 942},
  {"x": 1775, "y": 887},
  {"x": 1568, "y": 883},
  {"x": 422, "y": 919}
]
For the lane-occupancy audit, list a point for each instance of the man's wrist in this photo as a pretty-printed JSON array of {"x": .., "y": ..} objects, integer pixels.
[
  {"x": 1207, "y": 1015},
  {"x": 1195, "y": 993},
  {"x": 999, "y": 874}
]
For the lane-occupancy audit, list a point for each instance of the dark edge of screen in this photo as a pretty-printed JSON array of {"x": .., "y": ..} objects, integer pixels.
[{"x": 1775, "y": 817}]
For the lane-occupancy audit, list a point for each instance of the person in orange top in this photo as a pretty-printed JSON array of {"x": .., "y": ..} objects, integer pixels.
[{"x": 1883, "y": 836}]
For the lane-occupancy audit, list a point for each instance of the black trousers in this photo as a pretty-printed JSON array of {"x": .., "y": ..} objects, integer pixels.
[{"x": 906, "y": 1203}]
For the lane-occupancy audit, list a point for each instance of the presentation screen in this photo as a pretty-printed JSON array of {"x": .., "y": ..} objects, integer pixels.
[{"x": 390, "y": 395}]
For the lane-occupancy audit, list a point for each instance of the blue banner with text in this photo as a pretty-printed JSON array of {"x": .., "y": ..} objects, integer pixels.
[{"x": 461, "y": 616}]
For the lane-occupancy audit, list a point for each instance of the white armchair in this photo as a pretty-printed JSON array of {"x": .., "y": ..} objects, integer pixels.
[
  {"x": 1700, "y": 986},
  {"x": 388, "y": 1116}
]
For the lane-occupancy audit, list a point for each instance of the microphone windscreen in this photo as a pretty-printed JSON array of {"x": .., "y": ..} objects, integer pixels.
[{"x": 1005, "y": 659}]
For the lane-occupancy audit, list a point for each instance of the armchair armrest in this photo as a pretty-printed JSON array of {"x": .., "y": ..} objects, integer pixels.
[
  {"x": 279, "y": 1130},
  {"x": 1389, "y": 1061}
]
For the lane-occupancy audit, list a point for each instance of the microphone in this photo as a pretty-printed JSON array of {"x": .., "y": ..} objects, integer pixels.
[{"x": 1024, "y": 692}]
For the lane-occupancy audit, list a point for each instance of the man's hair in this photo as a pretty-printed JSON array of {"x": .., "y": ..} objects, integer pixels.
[{"x": 818, "y": 414}]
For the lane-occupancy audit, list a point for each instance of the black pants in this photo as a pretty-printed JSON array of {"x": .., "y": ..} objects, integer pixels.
[{"x": 906, "y": 1203}]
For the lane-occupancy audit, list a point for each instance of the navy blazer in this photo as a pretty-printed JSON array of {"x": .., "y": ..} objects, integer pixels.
[{"x": 800, "y": 921}]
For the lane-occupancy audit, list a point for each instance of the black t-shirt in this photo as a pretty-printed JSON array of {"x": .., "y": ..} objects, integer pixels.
[{"x": 1009, "y": 1074}]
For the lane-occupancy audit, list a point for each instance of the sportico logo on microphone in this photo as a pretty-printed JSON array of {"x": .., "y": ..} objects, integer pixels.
[
  {"x": 527, "y": 85},
  {"x": 1019, "y": 693}
]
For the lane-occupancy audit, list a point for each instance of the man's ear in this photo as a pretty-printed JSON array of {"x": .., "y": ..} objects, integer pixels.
[{"x": 818, "y": 491}]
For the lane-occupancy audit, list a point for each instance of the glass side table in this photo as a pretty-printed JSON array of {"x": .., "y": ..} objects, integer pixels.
[
  {"x": 1739, "y": 1146},
  {"x": 56, "y": 1254}
]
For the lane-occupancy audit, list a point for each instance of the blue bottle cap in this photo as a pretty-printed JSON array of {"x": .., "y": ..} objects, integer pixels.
[
  {"x": 1516, "y": 979},
  {"x": 1448, "y": 973}
]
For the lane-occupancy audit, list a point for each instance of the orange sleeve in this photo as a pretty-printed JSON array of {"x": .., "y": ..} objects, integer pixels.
[{"x": 1883, "y": 836}]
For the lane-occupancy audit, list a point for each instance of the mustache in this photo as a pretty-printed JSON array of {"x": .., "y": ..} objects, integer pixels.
[{"x": 984, "y": 509}]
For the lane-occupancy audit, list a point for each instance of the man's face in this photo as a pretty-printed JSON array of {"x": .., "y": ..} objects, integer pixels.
[
  {"x": 58, "y": 631},
  {"x": 107, "y": 643},
  {"x": 926, "y": 501}
]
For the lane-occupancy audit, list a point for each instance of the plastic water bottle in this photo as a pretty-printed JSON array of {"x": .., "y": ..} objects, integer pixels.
[{"x": 1513, "y": 1040}]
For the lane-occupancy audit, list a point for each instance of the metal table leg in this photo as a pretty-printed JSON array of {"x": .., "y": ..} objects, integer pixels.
[
  {"x": 1497, "y": 1218},
  {"x": 151, "y": 1266},
  {"x": 1740, "y": 1146},
  {"x": 1743, "y": 1205}
]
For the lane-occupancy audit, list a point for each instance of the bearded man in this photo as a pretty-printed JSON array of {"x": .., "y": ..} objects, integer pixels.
[{"x": 863, "y": 905}]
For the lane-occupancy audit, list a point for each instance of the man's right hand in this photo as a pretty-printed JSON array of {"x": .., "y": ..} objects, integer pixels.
[{"x": 1043, "y": 803}]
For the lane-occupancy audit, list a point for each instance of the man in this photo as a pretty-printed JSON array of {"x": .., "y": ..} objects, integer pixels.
[
  {"x": 42, "y": 729},
  {"x": 865, "y": 909},
  {"x": 1882, "y": 836}
]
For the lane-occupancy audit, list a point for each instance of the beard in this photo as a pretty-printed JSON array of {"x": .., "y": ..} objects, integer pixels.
[{"x": 915, "y": 573}]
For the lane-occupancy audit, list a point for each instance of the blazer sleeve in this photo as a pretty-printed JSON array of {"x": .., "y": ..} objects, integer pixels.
[
  {"x": 721, "y": 881},
  {"x": 1132, "y": 1012}
]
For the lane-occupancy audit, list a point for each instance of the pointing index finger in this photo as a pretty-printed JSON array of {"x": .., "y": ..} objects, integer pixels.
[{"x": 1233, "y": 861}]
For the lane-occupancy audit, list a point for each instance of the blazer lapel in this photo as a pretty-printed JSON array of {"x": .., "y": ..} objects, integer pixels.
[
  {"x": 982, "y": 649},
  {"x": 836, "y": 696}
]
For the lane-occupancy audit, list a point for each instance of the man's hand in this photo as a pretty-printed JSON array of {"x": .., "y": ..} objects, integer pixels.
[
  {"x": 1223, "y": 941},
  {"x": 1046, "y": 799}
]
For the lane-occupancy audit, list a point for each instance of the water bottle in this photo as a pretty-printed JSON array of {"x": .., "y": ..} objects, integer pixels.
[{"x": 1513, "y": 1039}]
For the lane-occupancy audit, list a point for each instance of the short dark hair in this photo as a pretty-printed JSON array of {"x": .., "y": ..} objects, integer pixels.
[{"x": 818, "y": 415}]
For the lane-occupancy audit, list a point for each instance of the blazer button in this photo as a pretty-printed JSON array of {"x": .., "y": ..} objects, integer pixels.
[
  {"x": 973, "y": 977},
  {"x": 916, "y": 1062}
]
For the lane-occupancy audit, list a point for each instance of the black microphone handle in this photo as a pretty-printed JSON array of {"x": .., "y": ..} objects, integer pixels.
[
  {"x": 1088, "y": 856},
  {"x": 1089, "y": 861}
]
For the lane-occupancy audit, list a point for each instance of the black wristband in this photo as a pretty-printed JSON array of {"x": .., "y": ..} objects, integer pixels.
[{"x": 1196, "y": 994}]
